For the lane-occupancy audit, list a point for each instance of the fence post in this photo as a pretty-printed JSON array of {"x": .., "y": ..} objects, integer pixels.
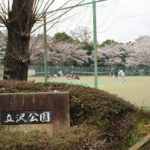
[
  {"x": 45, "y": 47},
  {"x": 95, "y": 45}
]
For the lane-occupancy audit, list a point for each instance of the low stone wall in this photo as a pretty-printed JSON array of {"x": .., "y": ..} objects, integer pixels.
[{"x": 35, "y": 111}]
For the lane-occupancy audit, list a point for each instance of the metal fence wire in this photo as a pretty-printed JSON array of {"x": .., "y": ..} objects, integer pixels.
[{"x": 89, "y": 71}]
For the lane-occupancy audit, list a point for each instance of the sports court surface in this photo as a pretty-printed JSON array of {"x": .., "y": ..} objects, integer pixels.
[{"x": 135, "y": 89}]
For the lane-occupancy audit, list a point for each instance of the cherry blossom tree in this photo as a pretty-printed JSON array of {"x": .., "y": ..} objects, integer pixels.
[{"x": 60, "y": 53}]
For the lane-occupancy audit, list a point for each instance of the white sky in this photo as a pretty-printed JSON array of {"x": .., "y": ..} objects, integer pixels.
[
  {"x": 120, "y": 20},
  {"x": 131, "y": 20}
]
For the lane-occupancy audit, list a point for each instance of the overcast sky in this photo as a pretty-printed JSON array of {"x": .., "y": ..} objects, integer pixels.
[
  {"x": 131, "y": 20},
  {"x": 120, "y": 20}
]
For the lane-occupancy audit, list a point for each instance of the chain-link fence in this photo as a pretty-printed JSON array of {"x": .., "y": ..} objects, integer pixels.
[{"x": 89, "y": 71}]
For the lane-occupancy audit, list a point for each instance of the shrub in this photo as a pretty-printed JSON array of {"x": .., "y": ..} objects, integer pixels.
[
  {"x": 102, "y": 119},
  {"x": 63, "y": 37}
]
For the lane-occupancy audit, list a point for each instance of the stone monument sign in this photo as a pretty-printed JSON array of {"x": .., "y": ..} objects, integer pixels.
[{"x": 35, "y": 111}]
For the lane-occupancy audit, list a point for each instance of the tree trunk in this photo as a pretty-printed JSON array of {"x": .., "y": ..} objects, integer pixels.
[{"x": 17, "y": 56}]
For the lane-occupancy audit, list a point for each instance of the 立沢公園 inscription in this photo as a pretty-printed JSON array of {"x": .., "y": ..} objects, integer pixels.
[
  {"x": 41, "y": 111},
  {"x": 25, "y": 117}
]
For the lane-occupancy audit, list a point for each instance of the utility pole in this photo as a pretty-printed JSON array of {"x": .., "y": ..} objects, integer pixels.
[
  {"x": 95, "y": 45},
  {"x": 45, "y": 48}
]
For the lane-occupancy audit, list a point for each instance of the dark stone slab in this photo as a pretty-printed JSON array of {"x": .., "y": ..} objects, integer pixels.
[{"x": 35, "y": 103}]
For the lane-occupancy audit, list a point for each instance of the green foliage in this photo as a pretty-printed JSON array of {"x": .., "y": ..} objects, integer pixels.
[
  {"x": 133, "y": 139},
  {"x": 63, "y": 37},
  {"x": 87, "y": 46},
  {"x": 124, "y": 55},
  {"x": 141, "y": 129},
  {"x": 109, "y": 42}
]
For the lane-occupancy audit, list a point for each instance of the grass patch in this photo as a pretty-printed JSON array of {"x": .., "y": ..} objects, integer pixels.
[{"x": 141, "y": 129}]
